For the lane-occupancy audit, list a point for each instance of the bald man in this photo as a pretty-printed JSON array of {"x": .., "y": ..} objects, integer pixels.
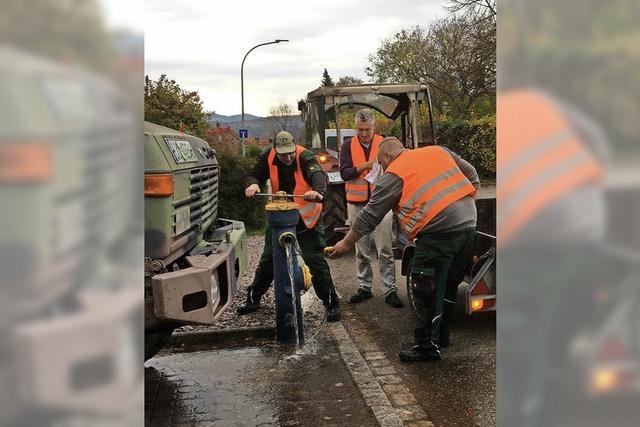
[{"x": 431, "y": 190}]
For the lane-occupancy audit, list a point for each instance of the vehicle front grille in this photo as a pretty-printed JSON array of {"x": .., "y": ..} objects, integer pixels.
[{"x": 203, "y": 203}]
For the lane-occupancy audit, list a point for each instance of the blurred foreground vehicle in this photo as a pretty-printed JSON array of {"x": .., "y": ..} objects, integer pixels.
[
  {"x": 193, "y": 259},
  {"x": 605, "y": 352},
  {"x": 69, "y": 308}
]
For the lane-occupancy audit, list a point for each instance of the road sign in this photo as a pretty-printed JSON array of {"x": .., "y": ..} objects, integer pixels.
[{"x": 243, "y": 133}]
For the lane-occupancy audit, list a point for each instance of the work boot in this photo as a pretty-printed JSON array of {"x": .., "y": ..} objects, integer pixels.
[
  {"x": 360, "y": 296},
  {"x": 393, "y": 300},
  {"x": 333, "y": 313},
  {"x": 251, "y": 305},
  {"x": 417, "y": 354}
]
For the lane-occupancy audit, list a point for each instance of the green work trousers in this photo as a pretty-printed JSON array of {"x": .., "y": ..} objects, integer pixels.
[
  {"x": 312, "y": 244},
  {"x": 437, "y": 270}
]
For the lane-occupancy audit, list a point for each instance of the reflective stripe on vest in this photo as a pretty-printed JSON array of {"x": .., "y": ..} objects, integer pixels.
[
  {"x": 539, "y": 160},
  {"x": 309, "y": 211},
  {"x": 431, "y": 181},
  {"x": 359, "y": 189}
]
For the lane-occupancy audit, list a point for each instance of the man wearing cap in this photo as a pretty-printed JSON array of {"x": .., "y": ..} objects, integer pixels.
[
  {"x": 357, "y": 159},
  {"x": 432, "y": 192},
  {"x": 295, "y": 170}
]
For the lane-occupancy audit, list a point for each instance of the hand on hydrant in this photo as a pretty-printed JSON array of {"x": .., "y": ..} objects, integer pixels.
[
  {"x": 251, "y": 190},
  {"x": 312, "y": 196}
]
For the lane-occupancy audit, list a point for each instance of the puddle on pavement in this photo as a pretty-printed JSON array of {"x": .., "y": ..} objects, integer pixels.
[{"x": 265, "y": 383}]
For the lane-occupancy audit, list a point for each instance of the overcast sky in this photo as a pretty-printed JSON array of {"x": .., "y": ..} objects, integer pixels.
[
  {"x": 123, "y": 14},
  {"x": 201, "y": 43}
]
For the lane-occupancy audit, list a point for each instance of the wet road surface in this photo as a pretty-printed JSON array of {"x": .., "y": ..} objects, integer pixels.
[
  {"x": 260, "y": 385},
  {"x": 347, "y": 374},
  {"x": 459, "y": 390}
]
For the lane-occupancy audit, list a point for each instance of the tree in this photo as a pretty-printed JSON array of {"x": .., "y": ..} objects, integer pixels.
[
  {"x": 479, "y": 9},
  {"x": 348, "y": 81},
  {"x": 282, "y": 117},
  {"x": 326, "y": 79},
  {"x": 167, "y": 104},
  {"x": 455, "y": 56}
]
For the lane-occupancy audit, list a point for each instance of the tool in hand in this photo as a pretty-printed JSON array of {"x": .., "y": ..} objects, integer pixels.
[{"x": 279, "y": 195}]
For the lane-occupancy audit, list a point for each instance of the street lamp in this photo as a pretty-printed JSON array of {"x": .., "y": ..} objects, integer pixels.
[{"x": 242, "y": 83}]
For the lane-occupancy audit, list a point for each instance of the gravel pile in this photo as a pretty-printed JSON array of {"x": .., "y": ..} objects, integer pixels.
[{"x": 229, "y": 319}]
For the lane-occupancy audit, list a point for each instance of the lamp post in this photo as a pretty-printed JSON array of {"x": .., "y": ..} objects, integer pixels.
[{"x": 242, "y": 84}]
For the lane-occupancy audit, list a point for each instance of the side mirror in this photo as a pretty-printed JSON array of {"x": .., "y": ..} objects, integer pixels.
[{"x": 302, "y": 107}]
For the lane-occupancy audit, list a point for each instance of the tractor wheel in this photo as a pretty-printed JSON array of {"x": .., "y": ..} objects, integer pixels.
[{"x": 334, "y": 213}]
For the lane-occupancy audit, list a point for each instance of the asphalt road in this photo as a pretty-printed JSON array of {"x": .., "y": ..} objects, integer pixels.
[
  {"x": 460, "y": 389},
  {"x": 264, "y": 383}
]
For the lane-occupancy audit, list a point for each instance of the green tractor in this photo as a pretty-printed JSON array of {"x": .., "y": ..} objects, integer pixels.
[{"x": 193, "y": 259}]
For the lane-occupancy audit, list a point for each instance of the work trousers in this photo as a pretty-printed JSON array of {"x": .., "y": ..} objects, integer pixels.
[
  {"x": 436, "y": 271},
  {"x": 312, "y": 244},
  {"x": 382, "y": 236}
]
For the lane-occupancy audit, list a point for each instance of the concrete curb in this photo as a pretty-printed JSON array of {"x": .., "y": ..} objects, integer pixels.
[
  {"x": 369, "y": 387},
  {"x": 309, "y": 302},
  {"x": 400, "y": 396},
  {"x": 220, "y": 336}
]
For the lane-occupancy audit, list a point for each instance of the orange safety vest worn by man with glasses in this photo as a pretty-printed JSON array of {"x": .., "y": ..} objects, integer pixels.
[
  {"x": 357, "y": 160},
  {"x": 295, "y": 170},
  {"x": 432, "y": 192}
]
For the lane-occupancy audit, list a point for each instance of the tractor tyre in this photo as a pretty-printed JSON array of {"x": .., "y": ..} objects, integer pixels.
[{"x": 334, "y": 213}]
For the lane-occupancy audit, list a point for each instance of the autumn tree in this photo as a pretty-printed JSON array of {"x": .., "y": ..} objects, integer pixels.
[
  {"x": 167, "y": 104},
  {"x": 479, "y": 9},
  {"x": 348, "y": 81},
  {"x": 455, "y": 56}
]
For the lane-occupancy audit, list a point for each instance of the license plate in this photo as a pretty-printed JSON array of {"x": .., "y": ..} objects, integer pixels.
[
  {"x": 181, "y": 150},
  {"x": 183, "y": 220},
  {"x": 334, "y": 177}
]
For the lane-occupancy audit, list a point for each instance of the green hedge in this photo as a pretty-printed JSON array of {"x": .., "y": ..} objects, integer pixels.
[
  {"x": 474, "y": 140},
  {"x": 232, "y": 203}
]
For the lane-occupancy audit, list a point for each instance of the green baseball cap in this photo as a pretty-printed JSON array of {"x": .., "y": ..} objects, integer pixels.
[{"x": 285, "y": 143}]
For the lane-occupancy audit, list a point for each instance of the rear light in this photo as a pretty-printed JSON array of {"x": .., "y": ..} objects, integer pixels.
[
  {"x": 480, "y": 288},
  {"x": 603, "y": 380},
  {"x": 482, "y": 304},
  {"x": 25, "y": 162},
  {"x": 608, "y": 379},
  {"x": 476, "y": 304},
  {"x": 158, "y": 185},
  {"x": 612, "y": 349}
]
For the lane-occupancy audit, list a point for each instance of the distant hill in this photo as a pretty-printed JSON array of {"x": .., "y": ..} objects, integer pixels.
[
  {"x": 234, "y": 118},
  {"x": 257, "y": 126}
]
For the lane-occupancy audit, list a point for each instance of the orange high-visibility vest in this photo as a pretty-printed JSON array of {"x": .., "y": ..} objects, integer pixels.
[
  {"x": 431, "y": 181},
  {"x": 359, "y": 189},
  {"x": 539, "y": 159},
  {"x": 309, "y": 211}
]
